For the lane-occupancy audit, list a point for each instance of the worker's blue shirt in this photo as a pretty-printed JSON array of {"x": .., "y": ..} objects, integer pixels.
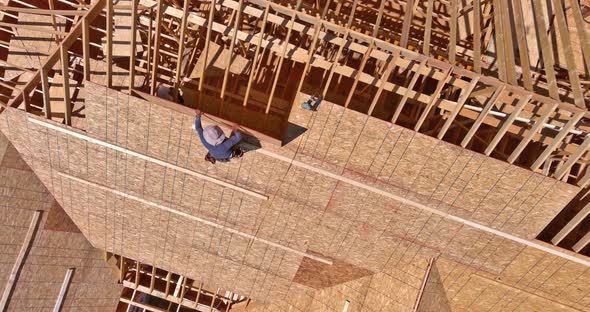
[{"x": 223, "y": 150}]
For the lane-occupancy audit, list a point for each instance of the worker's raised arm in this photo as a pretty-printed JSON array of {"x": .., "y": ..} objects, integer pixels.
[{"x": 198, "y": 125}]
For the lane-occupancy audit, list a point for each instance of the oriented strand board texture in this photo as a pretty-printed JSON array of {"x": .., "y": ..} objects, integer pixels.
[
  {"x": 93, "y": 286},
  {"x": 307, "y": 211}
]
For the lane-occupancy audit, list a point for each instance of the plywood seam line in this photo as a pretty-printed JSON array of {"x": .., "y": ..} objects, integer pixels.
[
  {"x": 427, "y": 208},
  {"x": 195, "y": 218},
  {"x": 150, "y": 159}
]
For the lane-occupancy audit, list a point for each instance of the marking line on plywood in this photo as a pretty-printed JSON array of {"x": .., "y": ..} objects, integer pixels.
[
  {"x": 201, "y": 220},
  {"x": 426, "y": 208},
  {"x": 148, "y": 158}
]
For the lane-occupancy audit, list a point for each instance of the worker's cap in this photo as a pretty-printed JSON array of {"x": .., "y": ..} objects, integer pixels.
[{"x": 213, "y": 135}]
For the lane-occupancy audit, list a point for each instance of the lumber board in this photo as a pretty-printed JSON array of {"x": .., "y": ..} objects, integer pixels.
[
  {"x": 428, "y": 28},
  {"x": 583, "y": 36},
  {"x": 506, "y": 124},
  {"x": 520, "y": 33},
  {"x": 408, "y": 17},
  {"x": 546, "y": 51},
  {"x": 462, "y": 99},
  {"x": 476, "y": 35},
  {"x": 402, "y": 103},
  {"x": 477, "y": 123},
  {"x": 573, "y": 158},
  {"x": 534, "y": 130},
  {"x": 557, "y": 140},
  {"x": 583, "y": 242},
  {"x": 20, "y": 260},
  {"x": 573, "y": 223},
  {"x": 566, "y": 46},
  {"x": 64, "y": 289}
]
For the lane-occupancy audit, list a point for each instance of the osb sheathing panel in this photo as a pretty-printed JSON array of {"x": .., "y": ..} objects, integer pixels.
[
  {"x": 93, "y": 286},
  {"x": 307, "y": 211},
  {"x": 468, "y": 290}
]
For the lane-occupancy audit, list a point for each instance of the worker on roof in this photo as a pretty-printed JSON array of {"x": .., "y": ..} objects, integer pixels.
[{"x": 220, "y": 148}]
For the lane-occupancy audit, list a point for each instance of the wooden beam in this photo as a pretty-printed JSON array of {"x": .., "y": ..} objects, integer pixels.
[
  {"x": 153, "y": 279},
  {"x": 86, "y": 47},
  {"x": 428, "y": 28},
  {"x": 379, "y": 17},
  {"x": 408, "y": 16},
  {"x": 566, "y": 46},
  {"x": 507, "y": 123},
  {"x": 583, "y": 37},
  {"x": 168, "y": 277},
  {"x": 435, "y": 96},
  {"x": 462, "y": 99},
  {"x": 134, "y": 43},
  {"x": 145, "y": 307},
  {"x": 20, "y": 259},
  {"x": 477, "y": 36},
  {"x": 42, "y": 11},
  {"x": 557, "y": 140},
  {"x": 572, "y": 159},
  {"x": 207, "y": 40},
  {"x": 571, "y": 225},
  {"x": 520, "y": 32},
  {"x": 281, "y": 59},
  {"x": 546, "y": 50},
  {"x": 358, "y": 75},
  {"x": 484, "y": 113},
  {"x": 199, "y": 292},
  {"x": 122, "y": 269},
  {"x": 66, "y": 84},
  {"x": 583, "y": 242},
  {"x": 45, "y": 90},
  {"x": 404, "y": 99},
  {"x": 231, "y": 46},
  {"x": 64, "y": 289},
  {"x": 213, "y": 301},
  {"x": 256, "y": 53},
  {"x": 453, "y": 31},
  {"x": 156, "y": 47},
  {"x": 137, "y": 272},
  {"x": 534, "y": 130},
  {"x": 498, "y": 40},
  {"x": 382, "y": 81},
  {"x": 508, "y": 44},
  {"x": 109, "y": 56},
  {"x": 310, "y": 55}
]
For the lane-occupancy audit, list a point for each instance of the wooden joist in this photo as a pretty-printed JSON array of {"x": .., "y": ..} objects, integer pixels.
[
  {"x": 156, "y": 54},
  {"x": 520, "y": 32},
  {"x": 573, "y": 158},
  {"x": 506, "y": 124},
  {"x": 486, "y": 110},
  {"x": 465, "y": 94},
  {"x": 538, "y": 125},
  {"x": 571, "y": 225},
  {"x": 408, "y": 16},
  {"x": 402, "y": 103},
  {"x": 546, "y": 50},
  {"x": 557, "y": 140},
  {"x": 566, "y": 46}
]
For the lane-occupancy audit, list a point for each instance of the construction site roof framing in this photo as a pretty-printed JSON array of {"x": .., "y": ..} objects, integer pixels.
[{"x": 399, "y": 155}]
